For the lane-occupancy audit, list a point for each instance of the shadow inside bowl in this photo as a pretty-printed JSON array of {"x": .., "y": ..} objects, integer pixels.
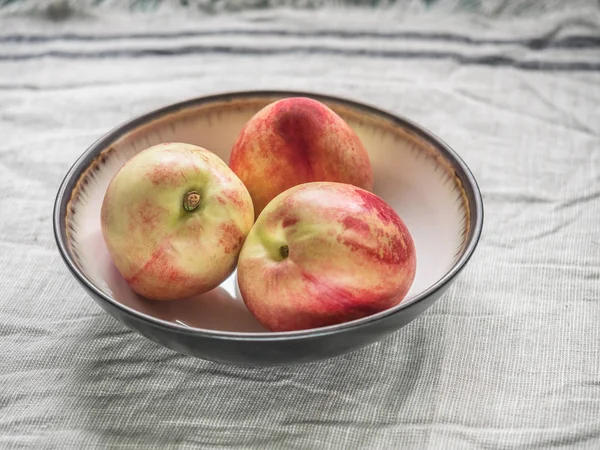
[{"x": 213, "y": 310}]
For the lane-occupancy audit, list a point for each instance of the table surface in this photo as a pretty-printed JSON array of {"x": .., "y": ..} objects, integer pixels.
[{"x": 508, "y": 358}]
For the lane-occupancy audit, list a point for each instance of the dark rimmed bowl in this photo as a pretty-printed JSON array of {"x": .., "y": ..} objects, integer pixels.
[{"x": 424, "y": 180}]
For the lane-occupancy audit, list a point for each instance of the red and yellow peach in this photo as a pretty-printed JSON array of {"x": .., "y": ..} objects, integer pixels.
[
  {"x": 293, "y": 141},
  {"x": 324, "y": 253}
]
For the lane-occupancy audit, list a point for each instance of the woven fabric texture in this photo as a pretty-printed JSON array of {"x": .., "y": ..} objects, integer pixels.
[{"x": 507, "y": 359}]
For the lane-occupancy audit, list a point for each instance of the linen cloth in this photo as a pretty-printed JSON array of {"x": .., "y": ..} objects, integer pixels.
[{"x": 507, "y": 359}]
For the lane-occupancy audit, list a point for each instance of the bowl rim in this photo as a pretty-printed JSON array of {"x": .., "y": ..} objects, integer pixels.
[{"x": 469, "y": 185}]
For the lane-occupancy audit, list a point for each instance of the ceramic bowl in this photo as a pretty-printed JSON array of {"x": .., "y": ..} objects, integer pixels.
[{"x": 424, "y": 180}]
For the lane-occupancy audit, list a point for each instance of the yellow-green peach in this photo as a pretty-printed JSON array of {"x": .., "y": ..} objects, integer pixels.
[{"x": 174, "y": 219}]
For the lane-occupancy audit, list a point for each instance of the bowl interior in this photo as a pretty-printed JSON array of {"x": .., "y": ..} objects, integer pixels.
[{"x": 414, "y": 175}]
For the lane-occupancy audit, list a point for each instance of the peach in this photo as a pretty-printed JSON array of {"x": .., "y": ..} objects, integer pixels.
[
  {"x": 174, "y": 219},
  {"x": 294, "y": 141},
  {"x": 323, "y": 253}
]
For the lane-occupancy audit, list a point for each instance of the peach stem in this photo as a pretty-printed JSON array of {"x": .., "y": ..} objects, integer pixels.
[
  {"x": 284, "y": 251},
  {"x": 191, "y": 201}
]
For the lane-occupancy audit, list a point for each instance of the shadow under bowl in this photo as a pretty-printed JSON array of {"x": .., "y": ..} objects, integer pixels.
[{"x": 424, "y": 180}]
